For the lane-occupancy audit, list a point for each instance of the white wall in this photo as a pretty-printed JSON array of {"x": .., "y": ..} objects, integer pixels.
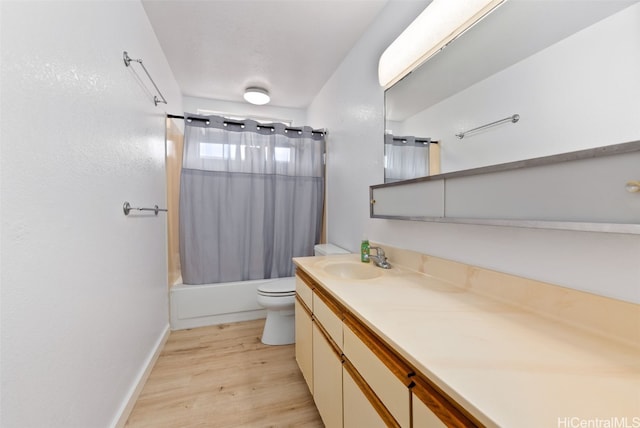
[
  {"x": 351, "y": 105},
  {"x": 84, "y": 288},
  {"x": 297, "y": 117},
  {"x": 560, "y": 107}
]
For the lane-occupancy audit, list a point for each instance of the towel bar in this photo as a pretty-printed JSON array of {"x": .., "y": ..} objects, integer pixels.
[{"x": 127, "y": 209}]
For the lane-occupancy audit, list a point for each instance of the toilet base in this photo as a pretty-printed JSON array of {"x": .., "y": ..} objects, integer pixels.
[{"x": 279, "y": 328}]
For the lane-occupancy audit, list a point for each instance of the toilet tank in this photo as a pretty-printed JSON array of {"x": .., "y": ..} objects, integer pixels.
[{"x": 328, "y": 249}]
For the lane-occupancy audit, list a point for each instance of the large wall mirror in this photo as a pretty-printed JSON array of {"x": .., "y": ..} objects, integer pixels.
[{"x": 569, "y": 69}]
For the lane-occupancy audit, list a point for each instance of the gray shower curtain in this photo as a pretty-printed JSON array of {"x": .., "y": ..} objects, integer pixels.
[
  {"x": 405, "y": 157},
  {"x": 251, "y": 198}
]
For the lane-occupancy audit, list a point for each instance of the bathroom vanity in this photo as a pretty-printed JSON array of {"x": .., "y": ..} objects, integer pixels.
[{"x": 433, "y": 343}]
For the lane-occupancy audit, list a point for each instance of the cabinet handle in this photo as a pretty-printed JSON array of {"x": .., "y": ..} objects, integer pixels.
[{"x": 632, "y": 186}]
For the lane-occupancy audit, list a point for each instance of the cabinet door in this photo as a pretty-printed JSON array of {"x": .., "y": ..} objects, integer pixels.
[
  {"x": 423, "y": 417},
  {"x": 419, "y": 199},
  {"x": 358, "y": 411},
  {"x": 304, "y": 343},
  {"x": 327, "y": 380}
]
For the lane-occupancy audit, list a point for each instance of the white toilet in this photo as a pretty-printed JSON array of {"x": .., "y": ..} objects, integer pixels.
[
  {"x": 279, "y": 297},
  {"x": 328, "y": 249}
]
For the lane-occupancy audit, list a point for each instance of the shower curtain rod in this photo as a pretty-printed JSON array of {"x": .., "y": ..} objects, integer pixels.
[
  {"x": 233, "y": 122},
  {"x": 423, "y": 140}
]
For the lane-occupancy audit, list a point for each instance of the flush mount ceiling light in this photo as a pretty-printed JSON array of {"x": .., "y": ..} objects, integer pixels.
[
  {"x": 257, "y": 96},
  {"x": 439, "y": 24}
]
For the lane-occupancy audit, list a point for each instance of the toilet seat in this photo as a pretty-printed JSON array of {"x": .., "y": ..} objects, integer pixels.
[
  {"x": 283, "y": 294},
  {"x": 278, "y": 288}
]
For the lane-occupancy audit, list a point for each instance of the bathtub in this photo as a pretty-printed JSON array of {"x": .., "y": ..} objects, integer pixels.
[{"x": 210, "y": 304}]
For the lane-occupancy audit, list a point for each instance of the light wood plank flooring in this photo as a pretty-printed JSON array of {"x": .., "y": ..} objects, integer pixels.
[{"x": 223, "y": 376}]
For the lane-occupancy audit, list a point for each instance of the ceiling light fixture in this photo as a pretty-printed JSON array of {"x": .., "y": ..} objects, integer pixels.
[
  {"x": 257, "y": 96},
  {"x": 439, "y": 24}
]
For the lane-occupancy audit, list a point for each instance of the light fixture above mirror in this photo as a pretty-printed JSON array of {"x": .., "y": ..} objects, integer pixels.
[
  {"x": 439, "y": 24},
  {"x": 257, "y": 96}
]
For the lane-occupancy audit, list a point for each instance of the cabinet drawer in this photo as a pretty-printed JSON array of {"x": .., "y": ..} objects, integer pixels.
[
  {"x": 305, "y": 292},
  {"x": 329, "y": 320},
  {"x": 393, "y": 393}
]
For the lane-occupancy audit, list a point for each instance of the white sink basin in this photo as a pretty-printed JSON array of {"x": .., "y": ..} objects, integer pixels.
[{"x": 352, "y": 270}]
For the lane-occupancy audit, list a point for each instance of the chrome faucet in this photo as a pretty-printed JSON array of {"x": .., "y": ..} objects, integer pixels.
[{"x": 380, "y": 259}]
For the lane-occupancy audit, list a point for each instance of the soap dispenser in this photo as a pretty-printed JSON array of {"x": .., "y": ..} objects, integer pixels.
[{"x": 364, "y": 251}]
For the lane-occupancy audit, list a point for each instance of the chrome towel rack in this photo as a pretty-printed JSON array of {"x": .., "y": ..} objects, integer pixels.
[
  {"x": 513, "y": 119},
  {"x": 127, "y": 62},
  {"x": 127, "y": 209}
]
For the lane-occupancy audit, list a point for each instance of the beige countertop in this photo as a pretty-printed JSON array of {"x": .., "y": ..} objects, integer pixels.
[{"x": 508, "y": 366}]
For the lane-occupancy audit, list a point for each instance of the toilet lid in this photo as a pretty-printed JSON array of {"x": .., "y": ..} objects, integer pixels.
[{"x": 283, "y": 286}]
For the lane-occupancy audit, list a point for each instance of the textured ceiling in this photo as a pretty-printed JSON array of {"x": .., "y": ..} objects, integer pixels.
[{"x": 292, "y": 47}]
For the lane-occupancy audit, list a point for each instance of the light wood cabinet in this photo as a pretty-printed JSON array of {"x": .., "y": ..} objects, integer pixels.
[{"x": 318, "y": 332}]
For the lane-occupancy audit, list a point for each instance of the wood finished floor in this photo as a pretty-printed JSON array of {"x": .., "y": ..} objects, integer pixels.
[{"x": 223, "y": 376}]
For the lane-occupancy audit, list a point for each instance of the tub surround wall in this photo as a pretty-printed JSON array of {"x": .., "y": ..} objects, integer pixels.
[
  {"x": 84, "y": 288},
  {"x": 351, "y": 106}
]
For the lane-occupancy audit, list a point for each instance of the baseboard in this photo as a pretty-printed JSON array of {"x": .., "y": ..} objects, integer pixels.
[{"x": 127, "y": 406}]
